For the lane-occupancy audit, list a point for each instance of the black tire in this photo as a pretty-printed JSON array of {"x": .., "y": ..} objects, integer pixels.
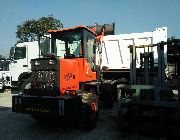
[
  {"x": 22, "y": 78},
  {"x": 20, "y": 84},
  {"x": 89, "y": 111},
  {"x": 107, "y": 91}
]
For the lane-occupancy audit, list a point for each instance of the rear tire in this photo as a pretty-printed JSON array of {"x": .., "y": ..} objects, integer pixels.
[{"x": 89, "y": 111}]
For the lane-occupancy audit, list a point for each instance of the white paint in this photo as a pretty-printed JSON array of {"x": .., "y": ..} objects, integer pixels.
[{"x": 116, "y": 54}]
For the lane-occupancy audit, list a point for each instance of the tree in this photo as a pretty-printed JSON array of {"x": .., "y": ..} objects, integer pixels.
[
  {"x": 30, "y": 29},
  {"x": 2, "y": 57}
]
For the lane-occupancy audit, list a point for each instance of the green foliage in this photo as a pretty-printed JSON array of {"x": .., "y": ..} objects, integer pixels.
[
  {"x": 30, "y": 29},
  {"x": 2, "y": 57}
]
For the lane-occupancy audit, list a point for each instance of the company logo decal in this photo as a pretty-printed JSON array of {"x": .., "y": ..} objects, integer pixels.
[{"x": 68, "y": 76}]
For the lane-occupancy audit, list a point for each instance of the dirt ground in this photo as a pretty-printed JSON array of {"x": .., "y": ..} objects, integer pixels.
[{"x": 22, "y": 127}]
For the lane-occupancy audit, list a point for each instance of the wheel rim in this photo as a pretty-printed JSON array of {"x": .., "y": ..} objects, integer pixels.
[
  {"x": 93, "y": 111},
  {"x": 28, "y": 86},
  {"x": 94, "y": 106}
]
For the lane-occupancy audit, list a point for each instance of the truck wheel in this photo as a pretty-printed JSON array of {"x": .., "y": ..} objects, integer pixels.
[
  {"x": 89, "y": 111},
  {"x": 107, "y": 95},
  {"x": 26, "y": 84},
  {"x": 22, "y": 78}
]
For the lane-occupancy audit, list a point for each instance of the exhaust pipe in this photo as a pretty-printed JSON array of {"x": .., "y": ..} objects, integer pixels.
[{"x": 109, "y": 29}]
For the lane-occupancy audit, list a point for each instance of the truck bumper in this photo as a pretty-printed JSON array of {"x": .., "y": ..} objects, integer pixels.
[{"x": 59, "y": 106}]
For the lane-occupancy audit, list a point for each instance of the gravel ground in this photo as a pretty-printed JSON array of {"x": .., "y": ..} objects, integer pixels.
[{"x": 22, "y": 127}]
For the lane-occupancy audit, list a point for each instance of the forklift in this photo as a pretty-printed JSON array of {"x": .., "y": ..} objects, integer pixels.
[
  {"x": 65, "y": 78},
  {"x": 149, "y": 103}
]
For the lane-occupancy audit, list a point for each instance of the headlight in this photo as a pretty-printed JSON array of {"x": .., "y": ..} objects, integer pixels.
[
  {"x": 51, "y": 62},
  {"x": 37, "y": 63}
]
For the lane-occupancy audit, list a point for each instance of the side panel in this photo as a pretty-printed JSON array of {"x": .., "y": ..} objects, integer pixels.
[
  {"x": 85, "y": 72},
  {"x": 69, "y": 75}
]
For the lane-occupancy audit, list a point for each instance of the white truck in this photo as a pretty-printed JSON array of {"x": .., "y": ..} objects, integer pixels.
[
  {"x": 114, "y": 55},
  {"x": 18, "y": 67}
]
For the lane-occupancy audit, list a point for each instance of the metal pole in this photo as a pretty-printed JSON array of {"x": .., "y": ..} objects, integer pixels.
[
  {"x": 159, "y": 63},
  {"x": 162, "y": 63},
  {"x": 39, "y": 45},
  {"x": 134, "y": 64},
  {"x": 146, "y": 68},
  {"x": 131, "y": 64}
]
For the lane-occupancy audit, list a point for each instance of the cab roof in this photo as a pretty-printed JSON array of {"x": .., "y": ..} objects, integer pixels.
[{"x": 71, "y": 28}]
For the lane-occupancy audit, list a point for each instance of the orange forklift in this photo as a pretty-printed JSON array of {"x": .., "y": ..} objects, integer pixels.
[{"x": 64, "y": 81}]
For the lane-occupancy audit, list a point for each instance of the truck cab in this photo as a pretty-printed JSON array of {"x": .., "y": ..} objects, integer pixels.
[{"x": 21, "y": 55}]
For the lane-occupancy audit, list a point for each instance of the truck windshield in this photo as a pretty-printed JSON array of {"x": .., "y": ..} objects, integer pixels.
[
  {"x": 68, "y": 44},
  {"x": 20, "y": 53}
]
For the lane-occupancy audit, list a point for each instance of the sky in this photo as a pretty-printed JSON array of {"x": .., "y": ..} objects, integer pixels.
[{"x": 130, "y": 16}]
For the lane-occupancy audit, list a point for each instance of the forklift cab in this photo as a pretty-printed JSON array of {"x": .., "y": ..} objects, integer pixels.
[{"x": 74, "y": 42}]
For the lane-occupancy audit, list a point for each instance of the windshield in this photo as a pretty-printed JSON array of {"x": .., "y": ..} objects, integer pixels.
[
  {"x": 67, "y": 44},
  {"x": 20, "y": 53}
]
